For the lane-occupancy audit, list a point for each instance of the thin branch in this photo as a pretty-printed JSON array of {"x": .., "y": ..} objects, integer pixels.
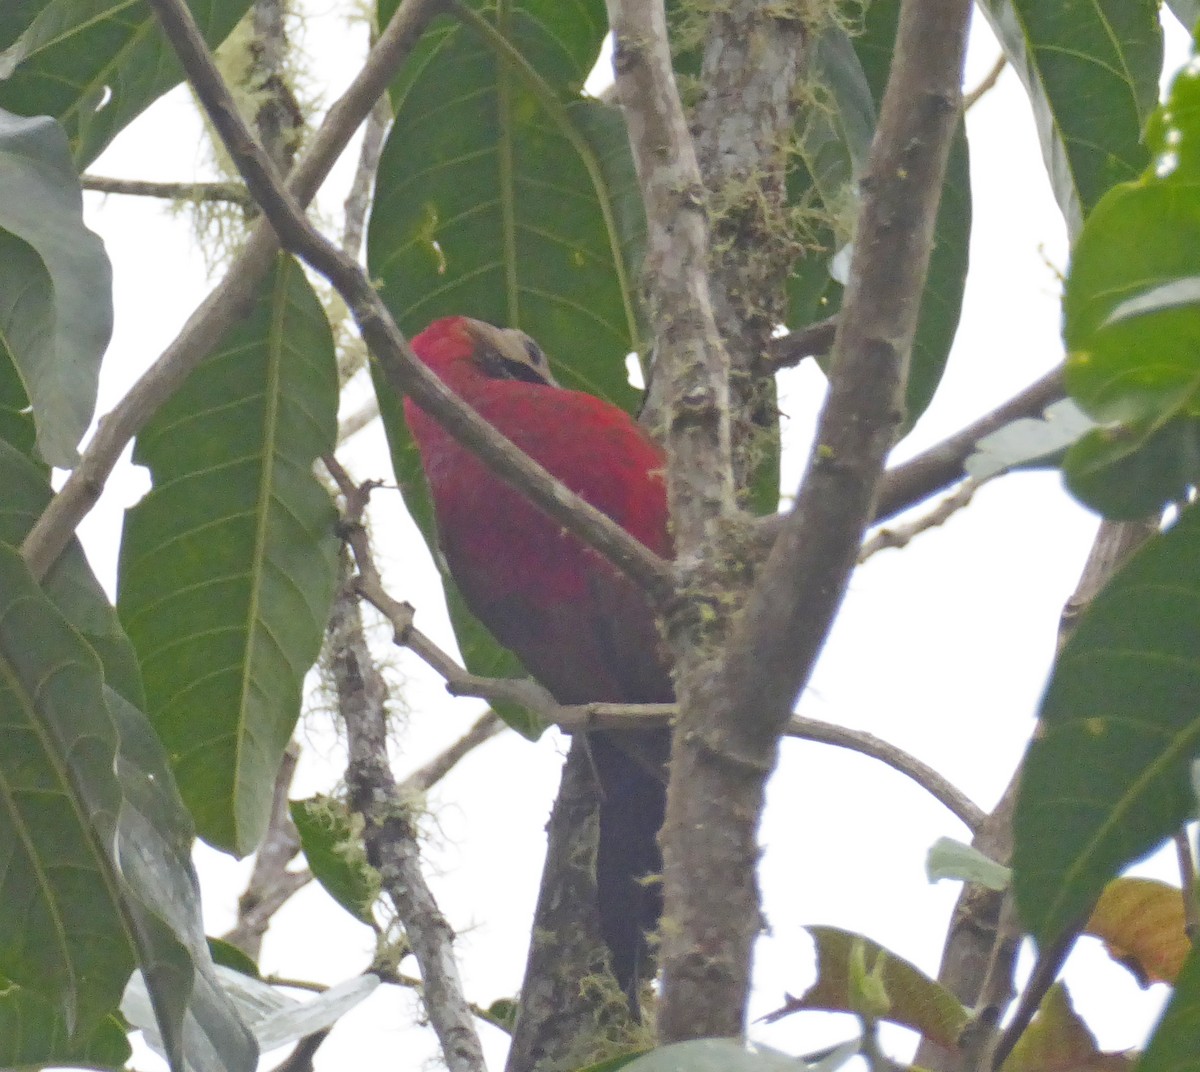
[
  {"x": 902, "y": 535},
  {"x": 358, "y": 420},
  {"x": 404, "y": 371},
  {"x": 941, "y": 466},
  {"x": 359, "y": 198},
  {"x": 254, "y": 918},
  {"x": 934, "y": 783},
  {"x": 1187, "y": 884},
  {"x": 789, "y": 350},
  {"x": 390, "y": 837},
  {"x": 271, "y": 884},
  {"x": 226, "y": 304},
  {"x": 421, "y": 780},
  {"x": 301, "y": 1058},
  {"x": 411, "y": 982},
  {"x": 169, "y": 191},
  {"x": 987, "y": 84}
]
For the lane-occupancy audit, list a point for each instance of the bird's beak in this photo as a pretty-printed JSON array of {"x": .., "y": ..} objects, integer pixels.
[{"x": 507, "y": 353}]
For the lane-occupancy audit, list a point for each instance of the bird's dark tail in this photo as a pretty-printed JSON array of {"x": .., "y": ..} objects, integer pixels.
[{"x": 631, "y": 769}]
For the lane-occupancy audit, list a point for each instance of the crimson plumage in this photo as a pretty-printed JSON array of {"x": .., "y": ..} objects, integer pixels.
[{"x": 581, "y": 628}]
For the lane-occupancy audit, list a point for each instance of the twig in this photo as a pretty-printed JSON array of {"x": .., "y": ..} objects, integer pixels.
[
  {"x": 942, "y": 465},
  {"x": 359, "y": 197},
  {"x": 390, "y": 837},
  {"x": 404, "y": 371},
  {"x": 459, "y": 682},
  {"x": 411, "y": 982},
  {"x": 271, "y": 883},
  {"x": 1187, "y": 883},
  {"x": 301, "y": 1058},
  {"x": 987, "y": 84},
  {"x": 902, "y": 535},
  {"x": 425, "y": 777},
  {"x": 790, "y": 349},
  {"x": 226, "y": 304},
  {"x": 933, "y": 782},
  {"x": 169, "y": 191},
  {"x": 358, "y": 420}
]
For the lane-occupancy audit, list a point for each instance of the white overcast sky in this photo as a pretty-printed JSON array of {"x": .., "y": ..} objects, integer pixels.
[{"x": 942, "y": 648}]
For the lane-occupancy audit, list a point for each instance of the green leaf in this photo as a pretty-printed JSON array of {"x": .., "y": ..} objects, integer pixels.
[
  {"x": 1172, "y": 1047},
  {"x": 1108, "y": 779},
  {"x": 153, "y": 839},
  {"x": 504, "y": 196},
  {"x": 228, "y": 565},
  {"x": 952, "y": 859},
  {"x": 1187, "y": 12},
  {"x": 1131, "y": 471},
  {"x": 15, "y": 16},
  {"x": 32, "y": 1033},
  {"x": 941, "y": 301},
  {"x": 1132, "y": 324},
  {"x": 333, "y": 846},
  {"x": 1091, "y": 72},
  {"x": 55, "y": 285},
  {"x": 813, "y": 294},
  {"x": 95, "y": 866},
  {"x": 95, "y": 65},
  {"x": 69, "y": 583},
  {"x": 227, "y": 955}
]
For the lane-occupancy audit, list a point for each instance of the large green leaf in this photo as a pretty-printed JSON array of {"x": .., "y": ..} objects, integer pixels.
[
  {"x": 1172, "y": 1048},
  {"x": 55, "y": 285},
  {"x": 95, "y": 65},
  {"x": 32, "y": 1033},
  {"x": 833, "y": 153},
  {"x": 1132, "y": 324},
  {"x": 95, "y": 866},
  {"x": 15, "y": 17},
  {"x": 941, "y": 301},
  {"x": 1187, "y": 12},
  {"x": 505, "y": 196},
  {"x": 1091, "y": 71},
  {"x": 1108, "y": 779},
  {"x": 69, "y": 583},
  {"x": 228, "y": 566}
]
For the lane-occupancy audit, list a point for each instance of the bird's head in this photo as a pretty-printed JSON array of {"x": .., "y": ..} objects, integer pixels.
[{"x": 463, "y": 351}]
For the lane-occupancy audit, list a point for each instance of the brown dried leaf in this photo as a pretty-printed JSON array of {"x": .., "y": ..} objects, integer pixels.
[
  {"x": 1059, "y": 1041},
  {"x": 1141, "y": 923},
  {"x": 916, "y": 1000}
]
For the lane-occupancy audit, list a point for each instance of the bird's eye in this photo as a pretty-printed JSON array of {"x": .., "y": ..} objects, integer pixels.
[{"x": 535, "y": 353}]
